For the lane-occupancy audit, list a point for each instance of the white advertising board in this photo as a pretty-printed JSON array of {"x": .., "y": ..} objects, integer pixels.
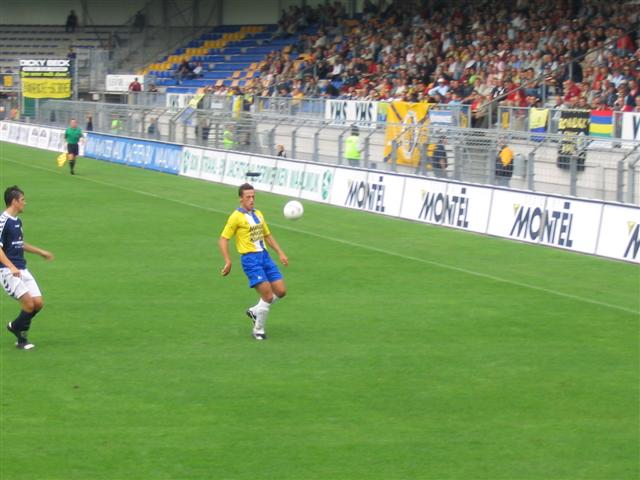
[
  {"x": 236, "y": 168},
  {"x": 191, "y": 162},
  {"x": 43, "y": 138},
  {"x": 572, "y": 224},
  {"x": 4, "y": 131},
  {"x": 23, "y": 134},
  {"x": 383, "y": 194},
  {"x": 266, "y": 169},
  {"x": 317, "y": 182},
  {"x": 449, "y": 204},
  {"x": 346, "y": 184},
  {"x": 558, "y": 222},
  {"x": 517, "y": 215},
  {"x": 33, "y": 136},
  {"x": 213, "y": 165},
  {"x": 289, "y": 178},
  {"x": 620, "y": 233},
  {"x": 120, "y": 83}
]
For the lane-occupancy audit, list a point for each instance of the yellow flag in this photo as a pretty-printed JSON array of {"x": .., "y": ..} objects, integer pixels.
[
  {"x": 62, "y": 158},
  {"x": 406, "y": 124}
]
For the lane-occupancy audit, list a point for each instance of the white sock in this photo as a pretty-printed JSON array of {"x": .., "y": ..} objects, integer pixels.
[{"x": 261, "y": 309}]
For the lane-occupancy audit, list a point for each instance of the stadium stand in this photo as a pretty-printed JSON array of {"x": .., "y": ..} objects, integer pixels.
[
  {"x": 228, "y": 56},
  {"x": 576, "y": 54}
]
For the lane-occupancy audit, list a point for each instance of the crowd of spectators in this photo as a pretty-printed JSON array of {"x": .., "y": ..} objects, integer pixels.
[{"x": 555, "y": 53}]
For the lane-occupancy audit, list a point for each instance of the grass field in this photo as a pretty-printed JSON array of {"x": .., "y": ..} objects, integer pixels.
[{"x": 403, "y": 351}]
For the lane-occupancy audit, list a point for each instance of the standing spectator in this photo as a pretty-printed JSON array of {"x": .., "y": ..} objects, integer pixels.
[
  {"x": 152, "y": 129},
  {"x": 202, "y": 130},
  {"x": 280, "y": 152},
  {"x": 72, "y": 22},
  {"x": 72, "y": 136},
  {"x": 439, "y": 158},
  {"x": 89, "y": 127},
  {"x": 139, "y": 21},
  {"x": 228, "y": 141},
  {"x": 116, "y": 125},
  {"x": 504, "y": 166},
  {"x": 352, "y": 147},
  {"x": 135, "y": 86},
  {"x": 16, "y": 279}
]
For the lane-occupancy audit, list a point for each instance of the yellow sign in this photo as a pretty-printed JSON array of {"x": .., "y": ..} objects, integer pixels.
[
  {"x": 46, "y": 87},
  {"x": 406, "y": 124},
  {"x": 538, "y": 119},
  {"x": 193, "y": 103}
]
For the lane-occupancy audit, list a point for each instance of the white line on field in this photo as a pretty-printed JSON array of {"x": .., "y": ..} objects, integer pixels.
[{"x": 353, "y": 244}]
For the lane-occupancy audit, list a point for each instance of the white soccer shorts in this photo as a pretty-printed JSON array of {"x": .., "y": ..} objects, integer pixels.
[{"x": 18, "y": 286}]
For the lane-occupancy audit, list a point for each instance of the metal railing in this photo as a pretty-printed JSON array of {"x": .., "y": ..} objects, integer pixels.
[
  {"x": 593, "y": 169},
  {"x": 501, "y": 117}
]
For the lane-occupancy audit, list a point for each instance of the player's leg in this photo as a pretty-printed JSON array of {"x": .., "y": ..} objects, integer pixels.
[
  {"x": 72, "y": 154},
  {"x": 279, "y": 289},
  {"x": 16, "y": 288},
  {"x": 20, "y": 325},
  {"x": 28, "y": 294},
  {"x": 260, "y": 311}
]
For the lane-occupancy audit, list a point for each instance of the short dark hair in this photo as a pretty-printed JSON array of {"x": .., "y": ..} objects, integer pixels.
[
  {"x": 243, "y": 187},
  {"x": 12, "y": 193}
]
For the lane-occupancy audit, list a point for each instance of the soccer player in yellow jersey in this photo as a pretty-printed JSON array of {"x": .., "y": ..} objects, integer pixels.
[{"x": 251, "y": 232}]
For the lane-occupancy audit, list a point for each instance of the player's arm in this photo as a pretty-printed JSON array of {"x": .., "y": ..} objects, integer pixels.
[
  {"x": 39, "y": 251},
  {"x": 227, "y": 234},
  {"x": 223, "y": 243},
  {"x": 271, "y": 241},
  {"x": 9, "y": 264}
]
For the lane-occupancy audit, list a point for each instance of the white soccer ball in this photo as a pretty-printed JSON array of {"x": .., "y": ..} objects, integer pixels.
[{"x": 293, "y": 210}]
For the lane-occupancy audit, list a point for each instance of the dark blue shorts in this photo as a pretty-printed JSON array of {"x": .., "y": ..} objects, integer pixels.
[{"x": 258, "y": 267}]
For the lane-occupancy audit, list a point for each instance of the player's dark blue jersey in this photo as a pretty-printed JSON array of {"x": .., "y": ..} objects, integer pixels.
[{"x": 11, "y": 240}]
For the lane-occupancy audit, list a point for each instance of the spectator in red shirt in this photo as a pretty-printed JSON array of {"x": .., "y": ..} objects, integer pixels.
[
  {"x": 570, "y": 89},
  {"x": 135, "y": 86}
]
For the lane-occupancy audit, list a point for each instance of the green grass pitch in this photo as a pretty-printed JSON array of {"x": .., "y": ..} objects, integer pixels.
[{"x": 403, "y": 351}]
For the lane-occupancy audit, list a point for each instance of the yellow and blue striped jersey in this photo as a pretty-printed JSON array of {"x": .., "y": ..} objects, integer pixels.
[{"x": 249, "y": 229}]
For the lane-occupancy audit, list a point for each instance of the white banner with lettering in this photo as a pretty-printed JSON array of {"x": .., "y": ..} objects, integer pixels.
[
  {"x": 630, "y": 126},
  {"x": 351, "y": 112}
]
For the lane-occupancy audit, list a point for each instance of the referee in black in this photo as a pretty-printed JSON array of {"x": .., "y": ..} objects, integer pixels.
[{"x": 72, "y": 136}]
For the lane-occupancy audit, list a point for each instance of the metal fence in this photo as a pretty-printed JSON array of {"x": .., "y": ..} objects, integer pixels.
[
  {"x": 593, "y": 169},
  {"x": 493, "y": 117}
]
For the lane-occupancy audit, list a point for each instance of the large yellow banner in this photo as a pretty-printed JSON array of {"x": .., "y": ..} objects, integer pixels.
[
  {"x": 406, "y": 124},
  {"x": 46, "y": 87}
]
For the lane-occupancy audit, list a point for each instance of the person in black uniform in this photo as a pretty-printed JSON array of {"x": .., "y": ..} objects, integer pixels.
[{"x": 16, "y": 280}]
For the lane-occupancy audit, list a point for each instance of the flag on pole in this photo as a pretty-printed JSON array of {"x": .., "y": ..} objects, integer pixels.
[{"x": 62, "y": 158}]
